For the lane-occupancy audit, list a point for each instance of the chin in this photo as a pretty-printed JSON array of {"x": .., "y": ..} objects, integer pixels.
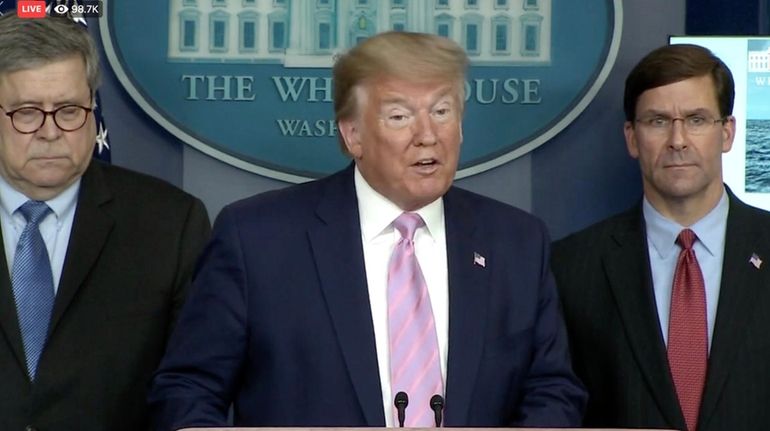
[
  {"x": 48, "y": 180},
  {"x": 685, "y": 191},
  {"x": 427, "y": 196}
]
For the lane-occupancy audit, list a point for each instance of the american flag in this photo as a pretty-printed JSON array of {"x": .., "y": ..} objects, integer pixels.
[
  {"x": 479, "y": 260},
  {"x": 755, "y": 260},
  {"x": 102, "y": 148}
]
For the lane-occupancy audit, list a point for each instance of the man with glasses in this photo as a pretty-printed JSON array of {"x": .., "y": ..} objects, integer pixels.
[
  {"x": 30, "y": 119},
  {"x": 96, "y": 258},
  {"x": 667, "y": 304}
]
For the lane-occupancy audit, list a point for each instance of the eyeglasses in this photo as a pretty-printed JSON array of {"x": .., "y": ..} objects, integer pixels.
[
  {"x": 695, "y": 124},
  {"x": 30, "y": 119}
]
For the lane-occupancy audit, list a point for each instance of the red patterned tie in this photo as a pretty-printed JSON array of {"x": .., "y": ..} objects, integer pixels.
[{"x": 687, "y": 331}]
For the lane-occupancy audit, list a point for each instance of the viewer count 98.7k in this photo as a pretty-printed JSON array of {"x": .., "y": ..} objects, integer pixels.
[{"x": 69, "y": 8}]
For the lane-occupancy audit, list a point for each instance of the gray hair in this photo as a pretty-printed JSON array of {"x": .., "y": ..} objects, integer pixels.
[{"x": 30, "y": 43}]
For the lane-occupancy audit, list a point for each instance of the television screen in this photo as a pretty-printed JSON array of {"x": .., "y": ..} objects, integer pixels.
[{"x": 747, "y": 165}]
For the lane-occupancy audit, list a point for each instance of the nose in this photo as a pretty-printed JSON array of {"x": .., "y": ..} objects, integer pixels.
[
  {"x": 49, "y": 130},
  {"x": 424, "y": 129},
  {"x": 678, "y": 135}
]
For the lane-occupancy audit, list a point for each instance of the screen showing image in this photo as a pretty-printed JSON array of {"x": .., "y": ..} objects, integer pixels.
[{"x": 747, "y": 165}]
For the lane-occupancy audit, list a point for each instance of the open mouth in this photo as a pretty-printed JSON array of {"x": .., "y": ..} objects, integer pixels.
[{"x": 425, "y": 162}]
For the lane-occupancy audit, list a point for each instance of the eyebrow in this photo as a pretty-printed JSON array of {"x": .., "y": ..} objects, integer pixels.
[
  {"x": 686, "y": 113},
  {"x": 38, "y": 104},
  {"x": 403, "y": 101},
  {"x": 394, "y": 100}
]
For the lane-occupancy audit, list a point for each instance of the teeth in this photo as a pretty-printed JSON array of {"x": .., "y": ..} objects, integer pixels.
[{"x": 425, "y": 162}]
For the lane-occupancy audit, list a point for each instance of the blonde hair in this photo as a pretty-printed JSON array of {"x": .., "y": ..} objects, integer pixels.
[{"x": 413, "y": 57}]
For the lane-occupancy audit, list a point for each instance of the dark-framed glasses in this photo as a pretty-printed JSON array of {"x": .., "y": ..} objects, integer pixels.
[
  {"x": 695, "y": 124},
  {"x": 30, "y": 119}
]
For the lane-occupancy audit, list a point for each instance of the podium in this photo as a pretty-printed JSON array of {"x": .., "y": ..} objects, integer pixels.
[{"x": 391, "y": 429}]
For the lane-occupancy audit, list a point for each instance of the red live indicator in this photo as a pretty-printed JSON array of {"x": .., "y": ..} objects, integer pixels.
[{"x": 30, "y": 8}]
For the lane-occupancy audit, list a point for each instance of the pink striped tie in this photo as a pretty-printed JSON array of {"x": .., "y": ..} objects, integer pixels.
[{"x": 414, "y": 356}]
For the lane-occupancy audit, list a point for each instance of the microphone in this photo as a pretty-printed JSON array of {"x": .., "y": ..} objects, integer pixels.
[
  {"x": 437, "y": 405},
  {"x": 401, "y": 401}
]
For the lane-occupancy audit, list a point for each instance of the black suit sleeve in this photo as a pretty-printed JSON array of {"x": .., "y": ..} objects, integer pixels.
[{"x": 195, "y": 234}]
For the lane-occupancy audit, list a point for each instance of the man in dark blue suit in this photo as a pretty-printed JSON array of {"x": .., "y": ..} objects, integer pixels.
[
  {"x": 655, "y": 352},
  {"x": 290, "y": 317}
]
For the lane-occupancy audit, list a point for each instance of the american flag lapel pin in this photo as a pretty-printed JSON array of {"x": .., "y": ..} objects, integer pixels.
[
  {"x": 755, "y": 260},
  {"x": 479, "y": 260}
]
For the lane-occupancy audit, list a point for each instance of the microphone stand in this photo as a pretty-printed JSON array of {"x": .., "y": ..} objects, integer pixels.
[
  {"x": 401, "y": 401},
  {"x": 437, "y": 405}
]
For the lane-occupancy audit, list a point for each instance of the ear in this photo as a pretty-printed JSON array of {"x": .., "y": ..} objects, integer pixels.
[
  {"x": 351, "y": 136},
  {"x": 631, "y": 144},
  {"x": 728, "y": 133}
]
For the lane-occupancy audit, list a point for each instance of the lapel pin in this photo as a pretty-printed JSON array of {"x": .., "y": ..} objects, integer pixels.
[
  {"x": 479, "y": 260},
  {"x": 755, "y": 260}
]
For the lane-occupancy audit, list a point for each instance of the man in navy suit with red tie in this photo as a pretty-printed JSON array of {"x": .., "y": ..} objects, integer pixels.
[
  {"x": 315, "y": 305},
  {"x": 666, "y": 304}
]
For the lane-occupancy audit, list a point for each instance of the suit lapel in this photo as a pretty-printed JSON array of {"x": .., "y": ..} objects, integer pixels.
[
  {"x": 467, "y": 306},
  {"x": 90, "y": 229},
  {"x": 9, "y": 322},
  {"x": 626, "y": 263},
  {"x": 740, "y": 286},
  {"x": 336, "y": 242},
  {"x": 89, "y": 232}
]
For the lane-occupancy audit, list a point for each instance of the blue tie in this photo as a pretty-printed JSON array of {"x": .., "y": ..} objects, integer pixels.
[{"x": 33, "y": 284}]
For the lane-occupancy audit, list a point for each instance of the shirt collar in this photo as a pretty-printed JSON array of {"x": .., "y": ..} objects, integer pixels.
[
  {"x": 377, "y": 212},
  {"x": 63, "y": 203},
  {"x": 710, "y": 229}
]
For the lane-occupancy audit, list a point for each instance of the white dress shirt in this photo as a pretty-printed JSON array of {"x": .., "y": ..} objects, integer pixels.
[
  {"x": 55, "y": 227},
  {"x": 379, "y": 238}
]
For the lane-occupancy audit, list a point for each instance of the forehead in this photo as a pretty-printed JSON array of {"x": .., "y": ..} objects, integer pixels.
[
  {"x": 397, "y": 90},
  {"x": 60, "y": 80},
  {"x": 689, "y": 94}
]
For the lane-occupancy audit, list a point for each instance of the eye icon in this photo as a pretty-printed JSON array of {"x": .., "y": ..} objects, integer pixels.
[{"x": 61, "y": 9}]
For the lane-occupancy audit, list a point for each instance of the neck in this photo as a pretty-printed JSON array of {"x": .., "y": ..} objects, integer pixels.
[{"x": 688, "y": 210}]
